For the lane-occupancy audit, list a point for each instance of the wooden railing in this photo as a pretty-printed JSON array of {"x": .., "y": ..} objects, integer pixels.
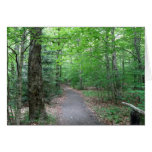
[{"x": 136, "y": 114}]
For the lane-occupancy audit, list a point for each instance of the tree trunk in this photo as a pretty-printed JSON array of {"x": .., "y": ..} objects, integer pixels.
[
  {"x": 8, "y": 94},
  {"x": 137, "y": 39},
  {"x": 19, "y": 81},
  {"x": 60, "y": 65},
  {"x": 80, "y": 70},
  {"x": 107, "y": 63},
  {"x": 36, "y": 104},
  {"x": 116, "y": 84},
  {"x": 58, "y": 72},
  {"x": 81, "y": 85},
  {"x": 123, "y": 73}
]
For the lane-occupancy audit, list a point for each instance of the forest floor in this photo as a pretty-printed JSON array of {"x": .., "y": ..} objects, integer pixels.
[
  {"x": 66, "y": 109},
  {"x": 52, "y": 108}
]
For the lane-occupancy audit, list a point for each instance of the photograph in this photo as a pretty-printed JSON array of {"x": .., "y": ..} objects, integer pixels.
[{"x": 76, "y": 76}]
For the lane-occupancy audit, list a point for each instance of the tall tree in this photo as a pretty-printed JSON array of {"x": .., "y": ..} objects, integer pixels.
[
  {"x": 107, "y": 61},
  {"x": 116, "y": 84},
  {"x": 20, "y": 66},
  {"x": 36, "y": 104},
  {"x": 137, "y": 40}
]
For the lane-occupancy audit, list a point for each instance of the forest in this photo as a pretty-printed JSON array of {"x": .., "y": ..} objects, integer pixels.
[{"x": 75, "y": 75}]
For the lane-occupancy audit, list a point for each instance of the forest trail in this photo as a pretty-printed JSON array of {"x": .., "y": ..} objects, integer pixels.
[{"x": 75, "y": 112}]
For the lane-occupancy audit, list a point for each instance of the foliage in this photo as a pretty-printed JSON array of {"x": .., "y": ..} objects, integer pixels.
[
  {"x": 113, "y": 114},
  {"x": 90, "y": 93},
  {"x": 106, "y": 58}
]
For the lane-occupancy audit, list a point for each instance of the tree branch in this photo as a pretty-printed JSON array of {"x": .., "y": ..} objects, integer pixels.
[
  {"x": 12, "y": 50},
  {"x": 16, "y": 55},
  {"x": 11, "y": 56},
  {"x": 28, "y": 46}
]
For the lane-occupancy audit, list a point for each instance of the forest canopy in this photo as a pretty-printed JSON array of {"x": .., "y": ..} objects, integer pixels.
[{"x": 40, "y": 59}]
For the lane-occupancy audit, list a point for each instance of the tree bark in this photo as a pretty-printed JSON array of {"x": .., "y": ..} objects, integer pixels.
[{"x": 36, "y": 104}]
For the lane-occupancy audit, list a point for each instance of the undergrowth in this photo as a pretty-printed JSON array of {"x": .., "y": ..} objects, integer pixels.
[
  {"x": 108, "y": 112},
  {"x": 49, "y": 120},
  {"x": 113, "y": 114}
]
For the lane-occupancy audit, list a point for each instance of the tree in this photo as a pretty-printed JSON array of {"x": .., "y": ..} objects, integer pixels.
[
  {"x": 116, "y": 84},
  {"x": 36, "y": 104},
  {"x": 19, "y": 55}
]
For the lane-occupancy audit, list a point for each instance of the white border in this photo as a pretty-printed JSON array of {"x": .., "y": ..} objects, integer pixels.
[{"x": 74, "y": 13}]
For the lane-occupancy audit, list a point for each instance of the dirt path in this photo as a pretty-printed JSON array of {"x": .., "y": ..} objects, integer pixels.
[{"x": 75, "y": 112}]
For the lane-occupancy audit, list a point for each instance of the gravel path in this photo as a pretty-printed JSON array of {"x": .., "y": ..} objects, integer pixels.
[{"x": 75, "y": 112}]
